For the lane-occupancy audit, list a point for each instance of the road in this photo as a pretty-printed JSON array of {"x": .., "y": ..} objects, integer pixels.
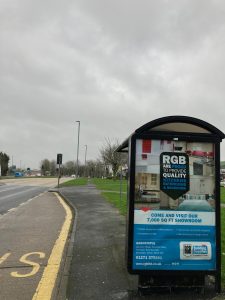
[
  {"x": 15, "y": 192},
  {"x": 34, "y": 225}
]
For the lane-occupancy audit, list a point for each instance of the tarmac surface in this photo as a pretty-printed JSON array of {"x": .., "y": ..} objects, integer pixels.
[
  {"x": 28, "y": 235},
  {"x": 98, "y": 269}
]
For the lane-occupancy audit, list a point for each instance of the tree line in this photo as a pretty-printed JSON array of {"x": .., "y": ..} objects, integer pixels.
[{"x": 109, "y": 164}]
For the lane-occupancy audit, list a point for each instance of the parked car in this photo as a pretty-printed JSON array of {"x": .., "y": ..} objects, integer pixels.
[{"x": 19, "y": 174}]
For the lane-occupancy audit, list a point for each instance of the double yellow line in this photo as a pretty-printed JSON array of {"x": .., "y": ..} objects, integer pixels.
[{"x": 48, "y": 280}]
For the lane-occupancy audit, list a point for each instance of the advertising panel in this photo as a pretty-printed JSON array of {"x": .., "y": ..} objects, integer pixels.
[{"x": 174, "y": 206}]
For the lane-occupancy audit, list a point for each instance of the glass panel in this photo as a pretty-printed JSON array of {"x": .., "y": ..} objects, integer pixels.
[{"x": 174, "y": 206}]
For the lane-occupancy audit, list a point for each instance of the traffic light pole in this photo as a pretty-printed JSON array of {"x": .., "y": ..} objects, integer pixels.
[
  {"x": 59, "y": 162},
  {"x": 59, "y": 174}
]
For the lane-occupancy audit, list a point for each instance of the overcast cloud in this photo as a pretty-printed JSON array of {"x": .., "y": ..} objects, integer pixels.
[{"x": 114, "y": 65}]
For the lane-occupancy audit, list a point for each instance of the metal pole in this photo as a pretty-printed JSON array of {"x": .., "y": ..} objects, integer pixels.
[
  {"x": 59, "y": 175},
  {"x": 85, "y": 160},
  {"x": 78, "y": 147},
  {"x": 121, "y": 178},
  {"x": 11, "y": 173}
]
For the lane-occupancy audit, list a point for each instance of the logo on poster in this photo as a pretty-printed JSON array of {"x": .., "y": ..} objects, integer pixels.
[{"x": 174, "y": 174}]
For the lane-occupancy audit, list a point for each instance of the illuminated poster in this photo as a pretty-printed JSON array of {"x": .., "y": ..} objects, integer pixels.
[{"x": 174, "y": 207}]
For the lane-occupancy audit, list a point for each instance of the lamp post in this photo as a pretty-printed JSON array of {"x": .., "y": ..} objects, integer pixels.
[
  {"x": 85, "y": 160},
  {"x": 78, "y": 147}
]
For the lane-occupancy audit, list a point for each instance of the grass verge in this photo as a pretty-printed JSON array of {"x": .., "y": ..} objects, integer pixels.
[
  {"x": 114, "y": 198},
  {"x": 222, "y": 194},
  {"x": 109, "y": 184},
  {"x": 111, "y": 192},
  {"x": 74, "y": 182}
]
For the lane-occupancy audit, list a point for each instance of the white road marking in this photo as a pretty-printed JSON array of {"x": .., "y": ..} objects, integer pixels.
[
  {"x": 23, "y": 203},
  {"x": 18, "y": 193},
  {"x": 10, "y": 188}
]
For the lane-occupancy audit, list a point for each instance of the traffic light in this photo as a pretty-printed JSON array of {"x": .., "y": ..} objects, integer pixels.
[{"x": 59, "y": 159}]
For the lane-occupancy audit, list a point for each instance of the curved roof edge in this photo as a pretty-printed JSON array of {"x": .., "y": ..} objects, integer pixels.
[
  {"x": 181, "y": 119},
  {"x": 123, "y": 147}
]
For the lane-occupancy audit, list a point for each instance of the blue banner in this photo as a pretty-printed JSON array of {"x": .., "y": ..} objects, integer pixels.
[{"x": 174, "y": 247}]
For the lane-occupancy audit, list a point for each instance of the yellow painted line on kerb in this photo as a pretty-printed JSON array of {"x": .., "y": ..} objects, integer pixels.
[{"x": 47, "y": 282}]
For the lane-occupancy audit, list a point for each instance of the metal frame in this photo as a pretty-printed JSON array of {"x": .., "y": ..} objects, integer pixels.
[{"x": 215, "y": 136}]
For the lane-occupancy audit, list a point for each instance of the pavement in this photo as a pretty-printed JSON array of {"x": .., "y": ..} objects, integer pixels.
[
  {"x": 97, "y": 269},
  {"x": 97, "y": 253}
]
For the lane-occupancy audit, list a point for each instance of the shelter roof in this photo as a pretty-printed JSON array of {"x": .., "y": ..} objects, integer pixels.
[{"x": 175, "y": 123}]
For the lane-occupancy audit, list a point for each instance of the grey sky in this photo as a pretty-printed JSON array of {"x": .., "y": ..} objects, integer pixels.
[{"x": 113, "y": 65}]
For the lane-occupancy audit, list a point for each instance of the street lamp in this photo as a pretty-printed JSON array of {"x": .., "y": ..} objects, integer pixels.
[
  {"x": 78, "y": 147},
  {"x": 85, "y": 159}
]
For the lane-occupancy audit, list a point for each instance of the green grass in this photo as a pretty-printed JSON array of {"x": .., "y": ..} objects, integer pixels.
[
  {"x": 74, "y": 182},
  {"x": 222, "y": 194},
  {"x": 111, "y": 192},
  {"x": 114, "y": 198},
  {"x": 109, "y": 184}
]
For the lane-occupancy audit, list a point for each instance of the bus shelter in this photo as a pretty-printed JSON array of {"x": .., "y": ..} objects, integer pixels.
[{"x": 173, "y": 223}]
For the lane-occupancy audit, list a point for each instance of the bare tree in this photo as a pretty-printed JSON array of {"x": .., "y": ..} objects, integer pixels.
[
  {"x": 45, "y": 167},
  {"x": 53, "y": 168},
  {"x": 94, "y": 168},
  {"x": 69, "y": 168},
  {"x": 112, "y": 158}
]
